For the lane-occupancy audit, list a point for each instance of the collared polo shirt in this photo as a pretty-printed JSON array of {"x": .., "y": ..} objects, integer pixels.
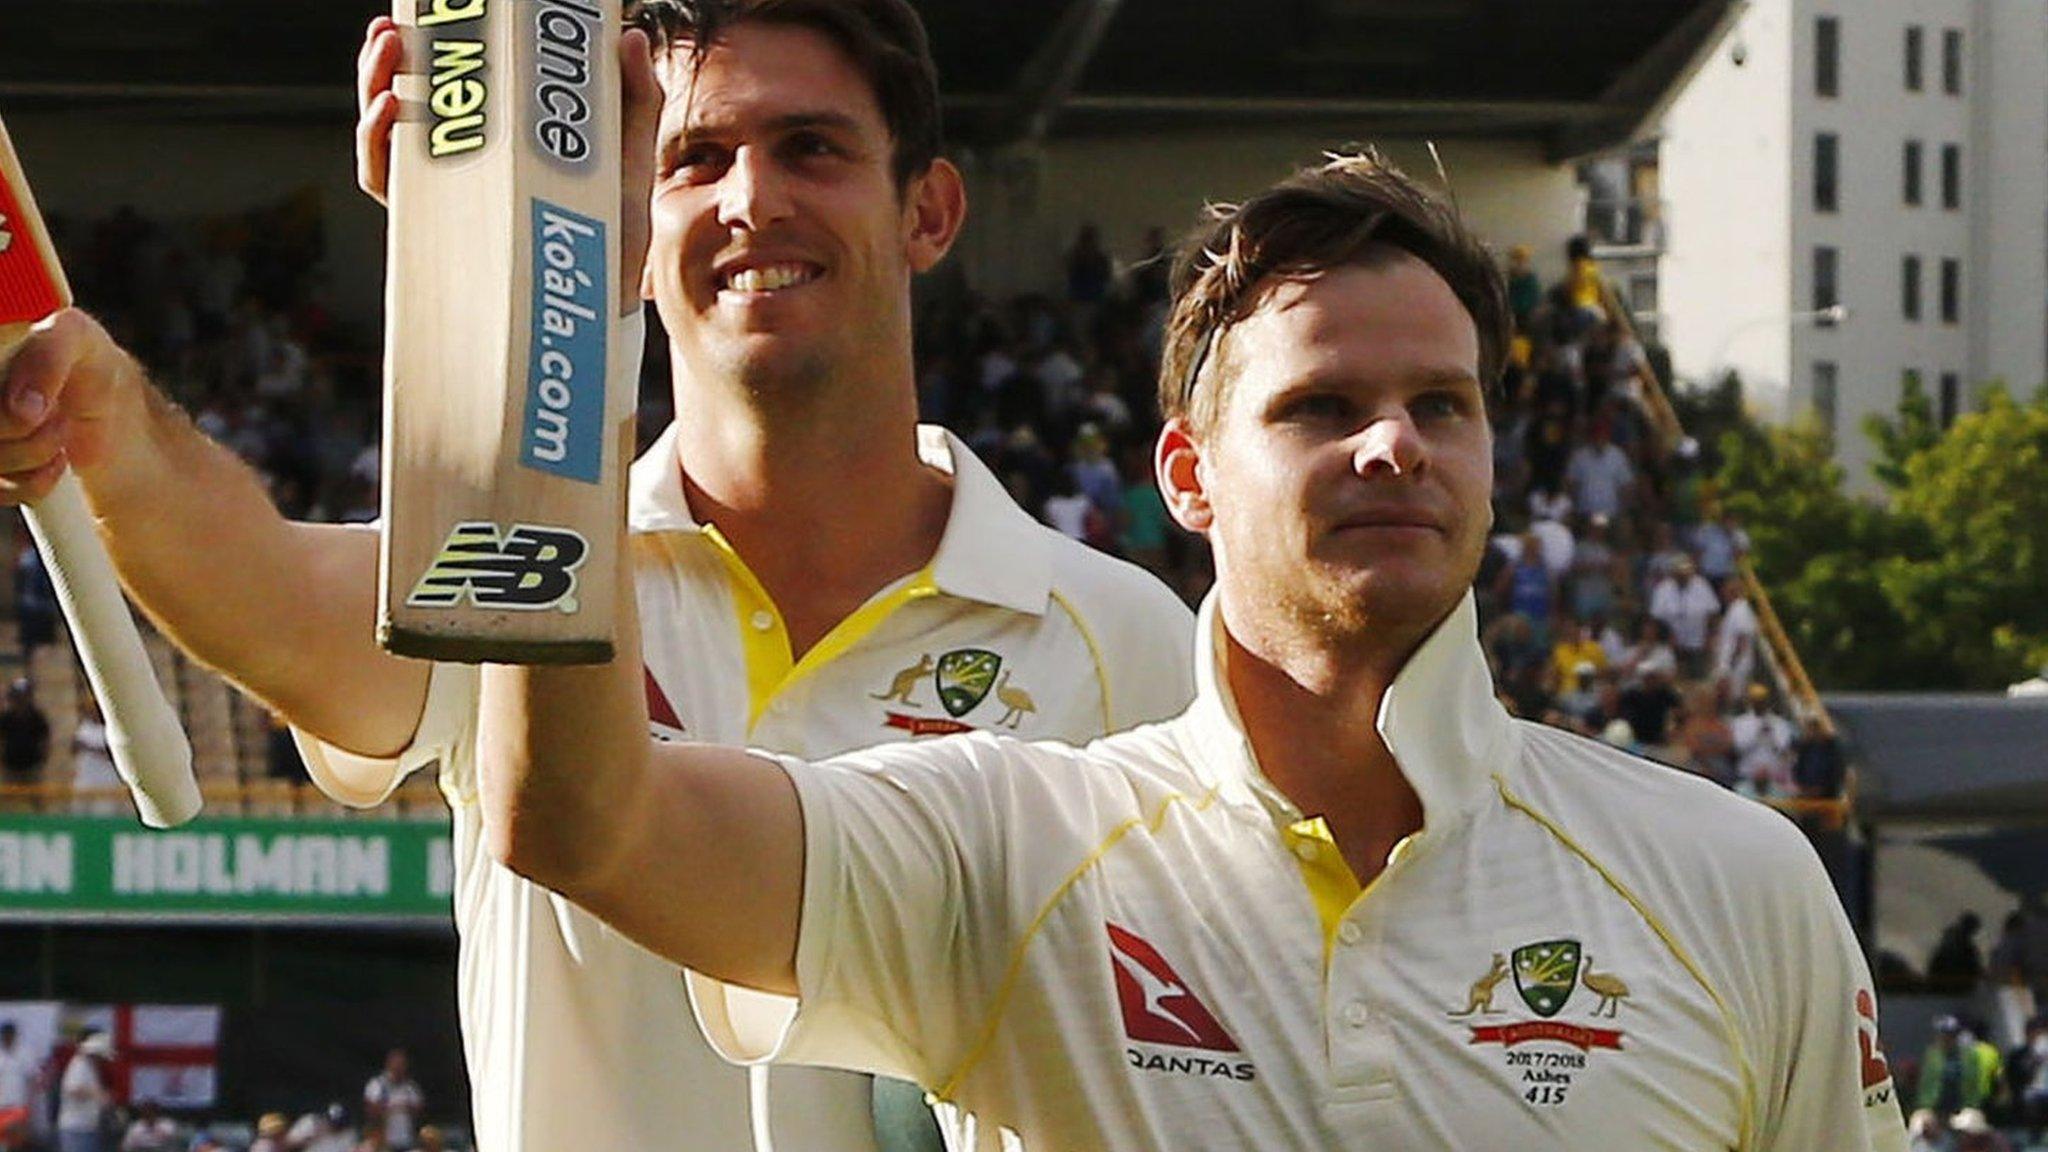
[
  {"x": 576, "y": 1038},
  {"x": 1142, "y": 944}
]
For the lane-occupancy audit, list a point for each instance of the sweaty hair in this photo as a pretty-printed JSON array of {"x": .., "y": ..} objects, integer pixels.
[
  {"x": 1356, "y": 209},
  {"x": 885, "y": 39}
]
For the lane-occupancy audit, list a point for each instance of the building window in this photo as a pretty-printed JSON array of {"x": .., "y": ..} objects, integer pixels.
[
  {"x": 1909, "y": 288},
  {"x": 1913, "y": 39},
  {"x": 1826, "y": 378},
  {"x": 1951, "y": 176},
  {"x": 1951, "y": 398},
  {"x": 1911, "y": 163},
  {"x": 1827, "y": 56},
  {"x": 1827, "y": 169},
  {"x": 1952, "y": 61},
  {"x": 1827, "y": 267},
  {"x": 1951, "y": 291}
]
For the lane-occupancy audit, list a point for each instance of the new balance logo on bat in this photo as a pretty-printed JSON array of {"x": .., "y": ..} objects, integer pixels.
[{"x": 527, "y": 569}]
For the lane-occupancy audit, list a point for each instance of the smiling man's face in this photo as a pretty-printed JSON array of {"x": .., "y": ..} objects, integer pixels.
[
  {"x": 781, "y": 241},
  {"x": 1348, "y": 474}
]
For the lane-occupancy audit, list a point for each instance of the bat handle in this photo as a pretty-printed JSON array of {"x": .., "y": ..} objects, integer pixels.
[{"x": 149, "y": 747}]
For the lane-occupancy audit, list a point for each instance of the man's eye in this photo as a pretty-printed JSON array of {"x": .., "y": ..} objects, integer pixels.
[
  {"x": 1318, "y": 406},
  {"x": 810, "y": 144},
  {"x": 1438, "y": 405},
  {"x": 696, "y": 158}
]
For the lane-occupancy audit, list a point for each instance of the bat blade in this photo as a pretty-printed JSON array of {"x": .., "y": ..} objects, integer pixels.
[
  {"x": 149, "y": 747},
  {"x": 500, "y": 459}
]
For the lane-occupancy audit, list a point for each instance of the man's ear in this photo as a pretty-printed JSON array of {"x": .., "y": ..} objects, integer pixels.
[
  {"x": 936, "y": 209},
  {"x": 1177, "y": 465}
]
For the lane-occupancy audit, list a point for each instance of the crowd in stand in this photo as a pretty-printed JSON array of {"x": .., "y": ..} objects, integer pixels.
[
  {"x": 1609, "y": 601},
  {"x": 70, "y": 1104}
]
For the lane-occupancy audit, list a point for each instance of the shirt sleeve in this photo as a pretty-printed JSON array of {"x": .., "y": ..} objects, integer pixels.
[
  {"x": 365, "y": 781},
  {"x": 1828, "y": 1084},
  {"x": 917, "y": 879}
]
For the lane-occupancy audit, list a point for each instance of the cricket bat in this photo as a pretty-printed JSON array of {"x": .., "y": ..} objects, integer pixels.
[
  {"x": 149, "y": 747},
  {"x": 501, "y": 461}
]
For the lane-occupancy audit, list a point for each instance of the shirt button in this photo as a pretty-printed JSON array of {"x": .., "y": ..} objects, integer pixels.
[
  {"x": 1308, "y": 850},
  {"x": 1350, "y": 933},
  {"x": 1356, "y": 1014},
  {"x": 763, "y": 620}
]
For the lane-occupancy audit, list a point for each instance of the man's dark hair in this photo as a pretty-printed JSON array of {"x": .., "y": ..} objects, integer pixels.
[
  {"x": 1356, "y": 209},
  {"x": 885, "y": 39}
]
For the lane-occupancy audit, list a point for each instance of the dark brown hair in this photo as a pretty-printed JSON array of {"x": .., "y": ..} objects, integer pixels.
[
  {"x": 885, "y": 39},
  {"x": 1355, "y": 209}
]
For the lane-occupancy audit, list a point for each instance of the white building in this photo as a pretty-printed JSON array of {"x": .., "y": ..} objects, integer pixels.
[{"x": 1886, "y": 156}]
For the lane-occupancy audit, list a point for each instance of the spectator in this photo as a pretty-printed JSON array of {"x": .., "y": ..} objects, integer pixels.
[
  {"x": 2005, "y": 970},
  {"x": 1735, "y": 637},
  {"x": 1599, "y": 473},
  {"x": 431, "y": 1140},
  {"x": 1974, "y": 1133},
  {"x": 325, "y": 1131},
  {"x": 152, "y": 1131},
  {"x": 1525, "y": 288},
  {"x": 1956, "y": 963},
  {"x": 1705, "y": 738},
  {"x": 1575, "y": 657},
  {"x": 1817, "y": 767},
  {"x": 1526, "y": 586},
  {"x": 1648, "y": 708},
  {"x": 1718, "y": 542},
  {"x": 17, "y": 1089},
  {"x": 84, "y": 1095},
  {"x": 1957, "y": 1071},
  {"x": 1089, "y": 270},
  {"x": 1146, "y": 527},
  {"x": 1927, "y": 1131},
  {"x": 270, "y": 1134},
  {"x": 1650, "y": 655},
  {"x": 2032, "y": 1083},
  {"x": 24, "y": 735},
  {"x": 1763, "y": 743},
  {"x": 93, "y": 775},
  {"x": 1594, "y": 583},
  {"x": 1687, "y": 605},
  {"x": 393, "y": 1103},
  {"x": 1583, "y": 283},
  {"x": 1068, "y": 508}
]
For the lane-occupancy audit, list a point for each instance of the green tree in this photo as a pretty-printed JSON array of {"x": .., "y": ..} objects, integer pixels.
[{"x": 1939, "y": 583}]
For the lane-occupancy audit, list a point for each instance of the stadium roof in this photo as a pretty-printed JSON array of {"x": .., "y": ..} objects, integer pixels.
[
  {"x": 1576, "y": 75},
  {"x": 1947, "y": 756}
]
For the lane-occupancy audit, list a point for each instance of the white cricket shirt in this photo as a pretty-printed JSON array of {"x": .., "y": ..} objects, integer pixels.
[
  {"x": 575, "y": 1037},
  {"x": 1130, "y": 946}
]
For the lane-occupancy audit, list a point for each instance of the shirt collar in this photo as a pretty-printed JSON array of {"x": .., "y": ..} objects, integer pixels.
[
  {"x": 992, "y": 551},
  {"x": 1440, "y": 719}
]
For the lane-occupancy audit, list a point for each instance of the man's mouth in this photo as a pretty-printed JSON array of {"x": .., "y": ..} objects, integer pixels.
[{"x": 769, "y": 278}]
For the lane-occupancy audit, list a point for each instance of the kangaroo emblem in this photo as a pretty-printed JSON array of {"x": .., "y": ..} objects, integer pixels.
[
  {"x": 905, "y": 682},
  {"x": 1479, "y": 1002}
]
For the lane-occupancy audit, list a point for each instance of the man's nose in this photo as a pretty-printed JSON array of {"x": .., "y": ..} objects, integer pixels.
[
  {"x": 1390, "y": 445},
  {"x": 751, "y": 194}
]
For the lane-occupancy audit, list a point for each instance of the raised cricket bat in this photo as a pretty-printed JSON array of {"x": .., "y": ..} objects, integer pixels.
[
  {"x": 149, "y": 747},
  {"x": 501, "y": 495}
]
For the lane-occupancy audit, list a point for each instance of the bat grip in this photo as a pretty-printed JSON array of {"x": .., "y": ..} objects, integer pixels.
[{"x": 149, "y": 746}]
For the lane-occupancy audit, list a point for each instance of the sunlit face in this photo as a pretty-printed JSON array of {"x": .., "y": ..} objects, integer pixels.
[
  {"x": 781, "y": 243},
  {"x": 1347, "y": 478}
]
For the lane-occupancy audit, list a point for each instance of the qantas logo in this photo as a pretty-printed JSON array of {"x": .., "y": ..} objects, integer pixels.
[{"x": 1160, "y": 1009}]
